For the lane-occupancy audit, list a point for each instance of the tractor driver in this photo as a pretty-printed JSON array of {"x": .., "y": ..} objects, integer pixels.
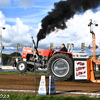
[{"x": 63, "y": 48}]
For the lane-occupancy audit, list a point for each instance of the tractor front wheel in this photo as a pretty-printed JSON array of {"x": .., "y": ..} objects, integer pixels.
[{"x": 21, "y": 66}]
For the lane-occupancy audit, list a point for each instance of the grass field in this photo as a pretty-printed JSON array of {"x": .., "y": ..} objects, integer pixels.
[
  {"x": 9, "y": 96},
  {"x": 19, "y": 73}
]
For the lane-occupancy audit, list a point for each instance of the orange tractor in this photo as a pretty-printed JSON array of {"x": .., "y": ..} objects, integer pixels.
[{"x": 62, "y": 65}]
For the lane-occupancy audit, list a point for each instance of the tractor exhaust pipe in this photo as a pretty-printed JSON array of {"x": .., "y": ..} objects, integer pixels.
[
  {"x": 35, "y": 52},
  {"x": 72, "y": 47},
  {"x": 34, "y": 48}
]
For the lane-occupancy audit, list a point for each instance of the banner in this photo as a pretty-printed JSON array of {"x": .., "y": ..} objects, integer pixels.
[{"x": 80, "y": 70}]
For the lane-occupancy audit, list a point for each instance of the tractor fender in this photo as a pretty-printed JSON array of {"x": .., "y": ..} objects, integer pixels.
[{"x": 63, "y": 52}]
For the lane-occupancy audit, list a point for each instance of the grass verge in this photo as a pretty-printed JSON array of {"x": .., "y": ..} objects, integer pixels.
[
  {"x": 27, "y": 73},
  {"x": 10, "y": 96}
]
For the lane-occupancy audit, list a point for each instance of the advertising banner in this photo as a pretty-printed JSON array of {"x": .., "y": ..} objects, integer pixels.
[{"x": 80, "y": 70}]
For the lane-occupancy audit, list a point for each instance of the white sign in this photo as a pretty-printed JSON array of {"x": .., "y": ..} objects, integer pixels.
[
  {"x": 80, "y": 70},
  {"x": 42, "y": 86}
]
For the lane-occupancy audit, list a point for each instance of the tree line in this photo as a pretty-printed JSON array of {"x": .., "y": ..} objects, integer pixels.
[{"x": 8, "y": 57}]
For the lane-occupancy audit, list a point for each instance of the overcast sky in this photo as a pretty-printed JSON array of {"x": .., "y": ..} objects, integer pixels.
[{"x": 22, "y": 19}]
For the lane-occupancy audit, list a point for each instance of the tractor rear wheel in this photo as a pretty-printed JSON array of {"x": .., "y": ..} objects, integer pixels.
[
  {"x": 21, "y": 66},
  {"x": 60, "y": 66}
]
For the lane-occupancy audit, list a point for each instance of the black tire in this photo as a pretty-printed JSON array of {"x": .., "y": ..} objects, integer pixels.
[
  {"x": 60, "y": 66},
  {"x": 21, "y": 66}
]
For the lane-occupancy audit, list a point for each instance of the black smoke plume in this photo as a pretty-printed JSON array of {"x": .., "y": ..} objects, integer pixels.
[{"x": 63, "y": 11}]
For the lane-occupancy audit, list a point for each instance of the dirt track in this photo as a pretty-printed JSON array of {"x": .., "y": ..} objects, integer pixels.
[{"x": 27, "y": 82}]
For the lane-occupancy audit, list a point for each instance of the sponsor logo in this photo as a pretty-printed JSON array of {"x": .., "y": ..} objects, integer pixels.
[
  {"x": 42, "y": 82},
  {"x": 80, "y": 63},
  {"x": 80, "y": 68},
  {"x": 80, "y": 73},
  {"x": 83, "y": 55},
  {"x": 52, "y": 88},
  {"x": 42, "y": 89},
  {"x": 29, "y": 50},
  {"x": 60, "y": 68}
]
